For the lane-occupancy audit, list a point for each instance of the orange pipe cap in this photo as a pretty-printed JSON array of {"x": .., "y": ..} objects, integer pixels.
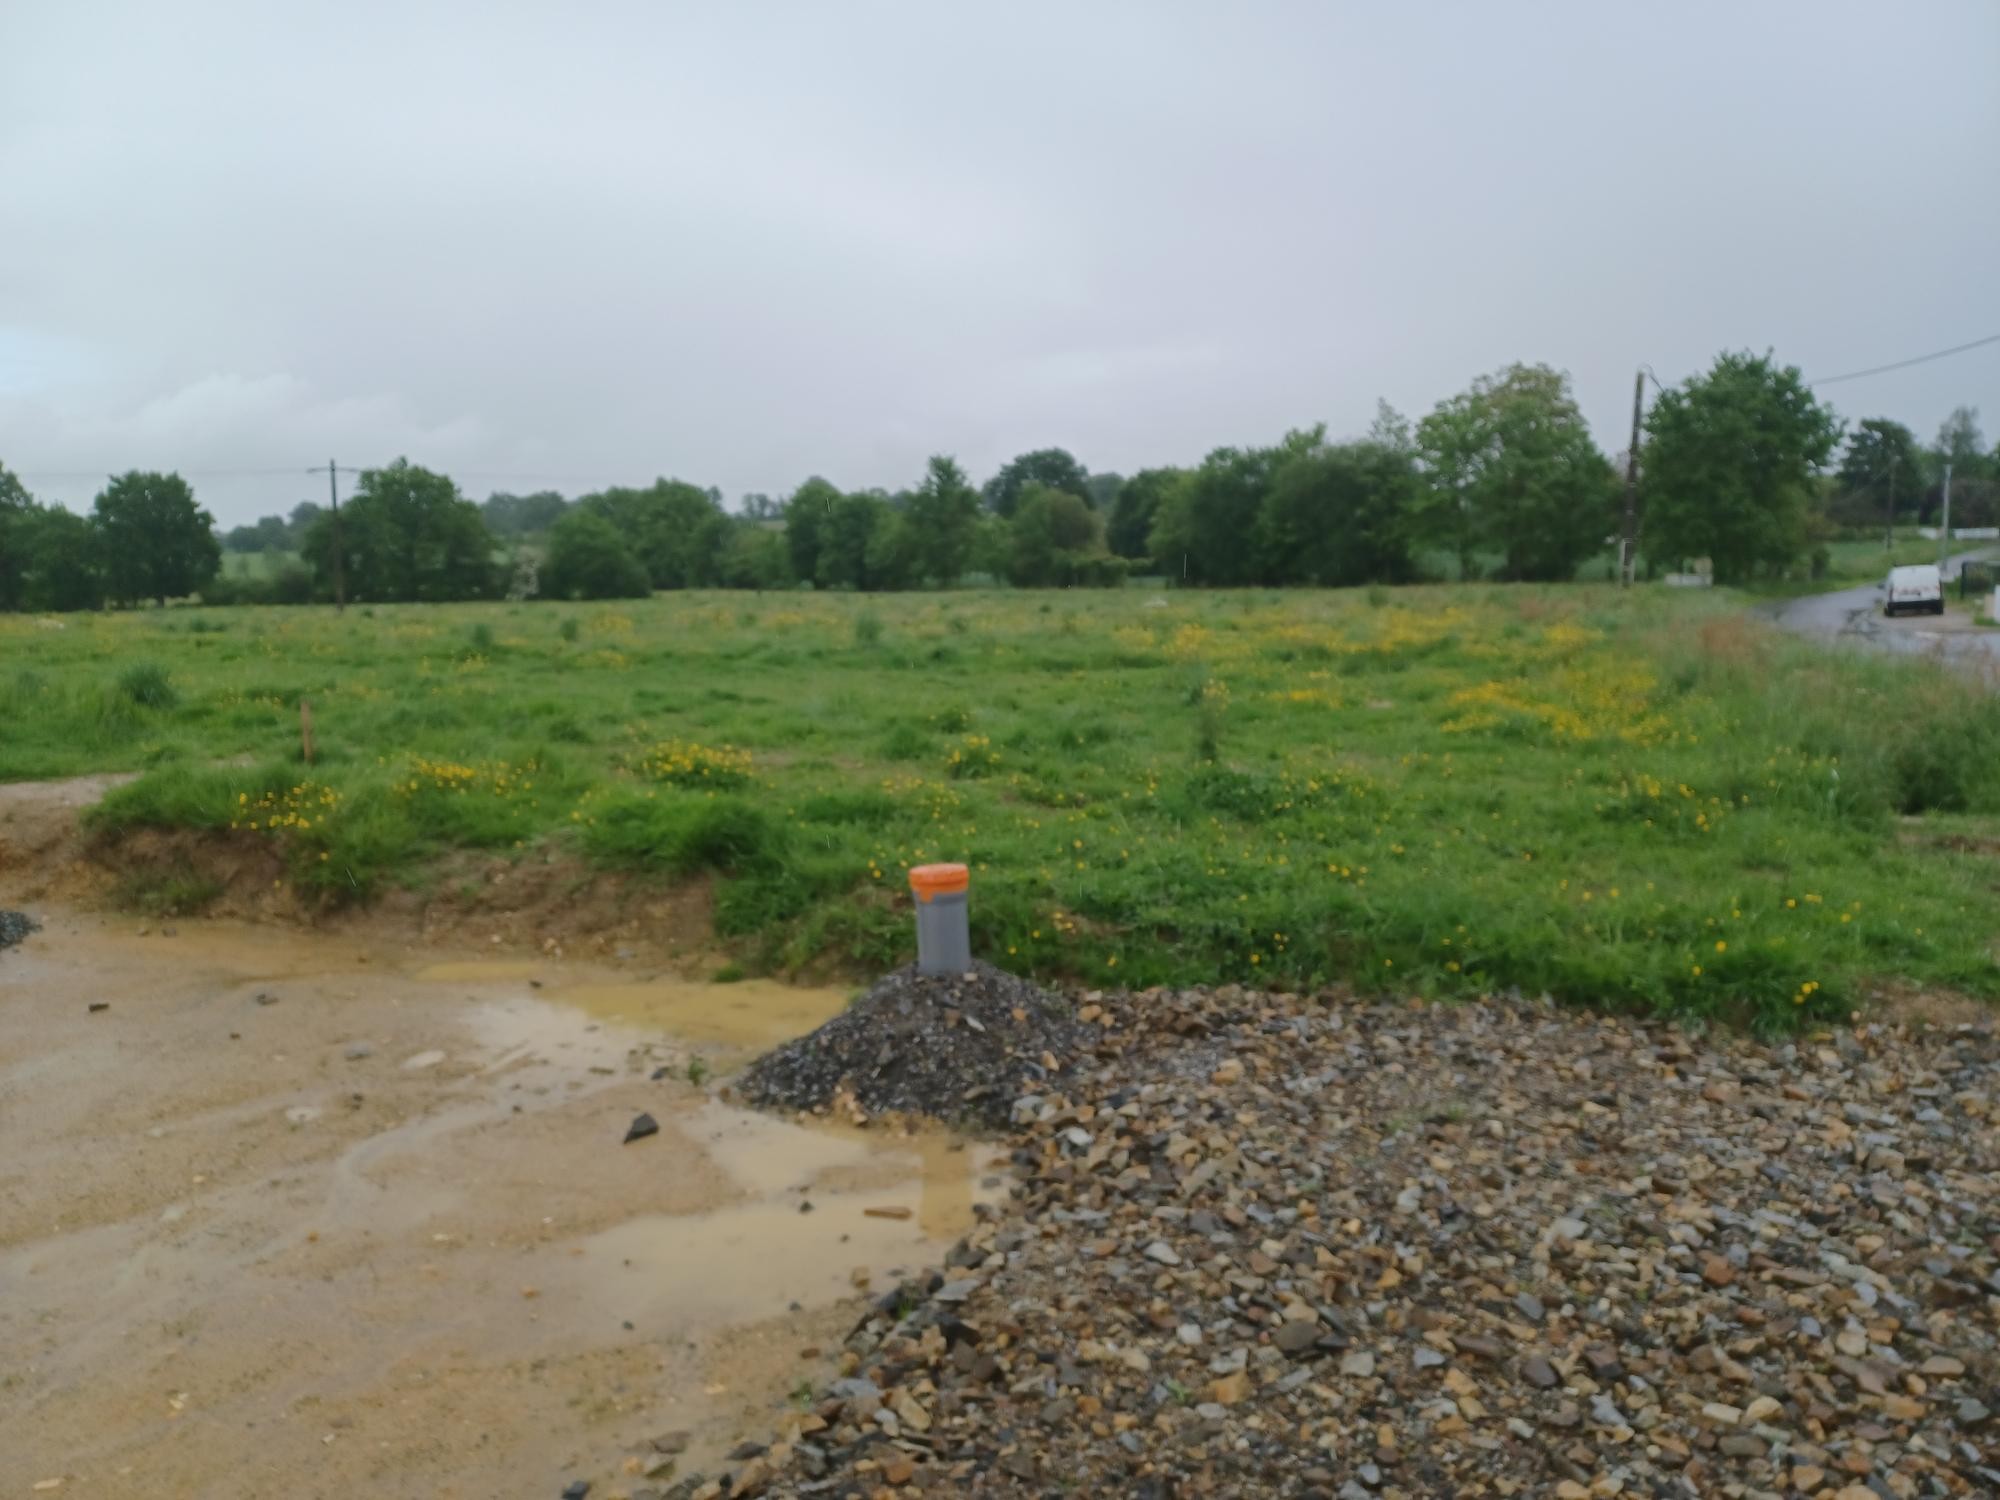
[{"x": 938, "y": 880}]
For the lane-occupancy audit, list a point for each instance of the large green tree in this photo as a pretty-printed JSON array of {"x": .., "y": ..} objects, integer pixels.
[
  {"x": 941, "y": 517},
  {"x": 300, "y": 523},
  {"x": 862, "y": 545},
  {"x": 1975, "y": 472},
  {"x": 805, "y": 519},
  {"x": 755, "y": 556},
  {"x": 1132, "y": 513},
  {"x": 1729, "y": 466},
  {"x": 677, "y": 529},
  {"x": 407, "y": 534},
  {"x": 1511, "y": 467},
  {"x": 1205, "y": 527},
  {"x": 1341, "y": 514},
  {"x": 895, "y": 555},
  {"x": 157, "y": 543},
  {"x": 588, "y": 559},
  {"x": 1882, "y": 465},
  {"x": 522, "y": 515},
  {"x": 266, "y": 534},
  {"x": 65, "y": 561},
  {"x": 1056, "y": 540},
  {"x": 1960, "y": 443},
  {"x": 1102, "y": 491},
  {"x": 1054, "y": 468},
  {"x": 17, "y": 519}
]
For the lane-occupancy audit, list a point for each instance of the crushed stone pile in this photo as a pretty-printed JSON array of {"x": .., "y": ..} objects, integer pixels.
[
  {"x": 16, "y": 925},
  {"x": 1264, "y": 1245},
  {"x": 960, "y": 1047}
]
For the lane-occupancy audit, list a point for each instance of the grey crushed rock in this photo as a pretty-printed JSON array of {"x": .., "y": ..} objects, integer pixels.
[
  {"x": 961, "y": 1047},
  {"x": 1694, "y": 1215}
]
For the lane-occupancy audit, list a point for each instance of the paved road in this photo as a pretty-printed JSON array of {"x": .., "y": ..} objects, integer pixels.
[{"x": 1853, "y": 617}]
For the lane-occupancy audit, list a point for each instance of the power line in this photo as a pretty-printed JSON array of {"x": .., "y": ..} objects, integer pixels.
[{"x": 1904, "y": 364}]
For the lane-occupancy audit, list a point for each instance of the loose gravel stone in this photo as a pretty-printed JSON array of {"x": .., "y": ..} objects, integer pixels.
[
  {"x": 15, "y": 926},
  {"x": 1365, "y": 1208},
  {"x": 962, "y": 1047}
]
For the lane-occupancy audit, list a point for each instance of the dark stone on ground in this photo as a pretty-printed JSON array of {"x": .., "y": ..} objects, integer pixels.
[
  {"x": 16, "y": 925},
  {"x": 641, "y": 1127}
]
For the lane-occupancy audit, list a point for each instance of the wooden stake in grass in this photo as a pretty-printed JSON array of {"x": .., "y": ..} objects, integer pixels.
[{"x": 306, "y": 729}]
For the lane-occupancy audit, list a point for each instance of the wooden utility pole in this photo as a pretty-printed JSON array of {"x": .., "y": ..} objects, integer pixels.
[
  {"x": 339, "y": 544},
  {"x": 1889, "y": 522},
  {"x": 1628, "y": 539},
  {"x": 1944, "y": 531}
]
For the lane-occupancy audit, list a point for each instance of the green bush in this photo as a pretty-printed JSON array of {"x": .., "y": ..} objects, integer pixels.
[
  {"x": 588, "y": 559},
  {"x": 685, "y": 835}
]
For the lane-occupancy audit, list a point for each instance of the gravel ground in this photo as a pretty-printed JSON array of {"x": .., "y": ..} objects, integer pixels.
[
  {"x": 14, "y": 926},
  {"x": 961, "y": 1047},
  {"x": 1264, "y": 1246}
]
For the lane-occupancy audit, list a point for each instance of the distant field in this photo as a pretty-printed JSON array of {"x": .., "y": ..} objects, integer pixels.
[
  {"x": 255, "y": 564},
  {"x": 1638, "y": 800}
]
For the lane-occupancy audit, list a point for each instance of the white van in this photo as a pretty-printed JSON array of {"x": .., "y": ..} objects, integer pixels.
[{"x": 1918, "y": 587}]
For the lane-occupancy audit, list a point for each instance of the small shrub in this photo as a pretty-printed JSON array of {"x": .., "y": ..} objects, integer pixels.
[
  {"x": 570, "y": 628},
  {"x": 729, "y": 973},
  {"x": 1220, "y": 789},
  {"x": 867, "y": 628},
  {"x": 685, "y": 835},
  {"x": 906, "y": 742},
  {"x": 482, "y": 641},
  {"x": 145, "y": 685}
]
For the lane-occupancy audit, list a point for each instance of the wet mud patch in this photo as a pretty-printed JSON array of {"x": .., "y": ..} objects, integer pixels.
[{"x": 290, "y": 1211}]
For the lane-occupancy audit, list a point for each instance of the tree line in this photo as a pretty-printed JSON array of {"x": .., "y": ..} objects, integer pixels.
[{"x": 1501, "y": 480}]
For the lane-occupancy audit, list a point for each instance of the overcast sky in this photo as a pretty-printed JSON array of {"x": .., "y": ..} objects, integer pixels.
[{"x": 559, "y": 246}]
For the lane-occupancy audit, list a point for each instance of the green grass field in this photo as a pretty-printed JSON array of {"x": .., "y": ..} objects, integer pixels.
[{"x": 1642, "y": 800}]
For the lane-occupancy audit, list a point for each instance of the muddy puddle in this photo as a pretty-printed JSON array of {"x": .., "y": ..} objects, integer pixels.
[
  {"x": 749, "y": 1015},
  {"x": 292, "y": 1214}
]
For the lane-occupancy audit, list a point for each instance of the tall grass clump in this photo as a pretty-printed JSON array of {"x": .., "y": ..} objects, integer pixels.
[
  {"x": 145, "y": 685},
  {"x": 685, "y": 835}
]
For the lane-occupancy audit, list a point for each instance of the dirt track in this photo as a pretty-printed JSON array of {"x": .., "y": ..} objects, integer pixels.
[{"x": 323, "y": 1216}]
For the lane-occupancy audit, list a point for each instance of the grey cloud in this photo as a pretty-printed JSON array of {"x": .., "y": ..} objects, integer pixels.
[{"x": 744, "y": 244}]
